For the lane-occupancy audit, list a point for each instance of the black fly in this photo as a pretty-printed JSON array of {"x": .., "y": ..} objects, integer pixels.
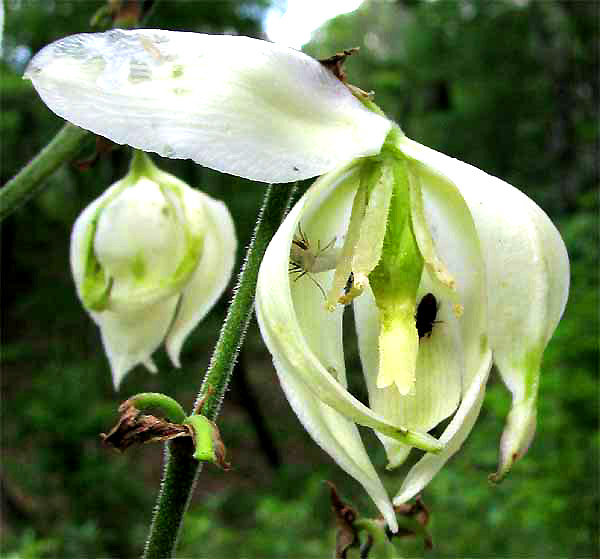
[{"x": 426, "y": 313}]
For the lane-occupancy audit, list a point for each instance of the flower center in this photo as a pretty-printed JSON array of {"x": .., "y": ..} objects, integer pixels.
[{"x": 380, "y": 250}]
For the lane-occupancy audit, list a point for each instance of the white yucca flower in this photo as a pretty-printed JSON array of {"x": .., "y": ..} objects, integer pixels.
[
  {"x": 499, "y": 273},
  {"x": 150, "y": 257},
  {"x": 390, "y": 225}
]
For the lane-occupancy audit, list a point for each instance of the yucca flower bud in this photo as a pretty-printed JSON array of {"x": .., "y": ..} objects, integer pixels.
[{"x": 150, "y": 257}]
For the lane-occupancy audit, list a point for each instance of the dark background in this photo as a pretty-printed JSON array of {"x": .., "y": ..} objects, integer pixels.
[{"x": 509, "y": 86}]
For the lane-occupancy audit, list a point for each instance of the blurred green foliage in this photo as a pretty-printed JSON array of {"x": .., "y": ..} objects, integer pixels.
[{"x": 509, "y": 86}]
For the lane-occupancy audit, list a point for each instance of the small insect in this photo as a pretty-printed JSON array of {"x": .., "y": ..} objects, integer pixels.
[
  {"x": 425, "y": 316},
  {"x": 306, "y": 260}
]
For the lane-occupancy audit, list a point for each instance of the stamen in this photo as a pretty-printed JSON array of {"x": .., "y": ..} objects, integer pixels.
[
  {"x": 437, "y": 269},
  {"x": 344, "y": 264},
  {"x": 373, "y": 227}
]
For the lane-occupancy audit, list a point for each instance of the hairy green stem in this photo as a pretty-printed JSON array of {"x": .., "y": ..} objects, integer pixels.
[
  {"x": 181, "y": 469},
  {"x": 30, "y": 179},
  {"x": 275, "y": 206}
]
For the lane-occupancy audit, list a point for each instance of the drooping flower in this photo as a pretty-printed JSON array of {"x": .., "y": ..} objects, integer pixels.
[
  {"x": 482, "y": 244},
  {"x": 150, "y": 257},
  {"x": 390, "y": 225}
]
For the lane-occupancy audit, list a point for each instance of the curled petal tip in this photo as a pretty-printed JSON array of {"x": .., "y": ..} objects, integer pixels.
[
  {"x": 150, "y": 366},
  {"x": 173, "y": 353},
  {"x": 516, "y": 438}
]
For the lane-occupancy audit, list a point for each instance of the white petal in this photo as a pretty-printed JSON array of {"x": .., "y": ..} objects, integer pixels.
[
  {"x": 238, "y": 105},
  {"x": 139, "y": 241},
  {"x": 455, "y": 236},
  {"x": 322, "y": 331},
  {"x": 79, "y": 234},
  {"x": 439, "y": 374},
  {"x": 131, "y": 338},
  {"x": 454, "y": 435},
  {"x": 212, "y": 273},
  {"x": 338, "y": 436},
  {"x": 527, "y": 271},
  {"x": 294, "y": 324}
]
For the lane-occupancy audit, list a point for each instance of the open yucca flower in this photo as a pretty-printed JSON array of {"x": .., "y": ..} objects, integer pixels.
[{"x": 486, "y": 273}]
